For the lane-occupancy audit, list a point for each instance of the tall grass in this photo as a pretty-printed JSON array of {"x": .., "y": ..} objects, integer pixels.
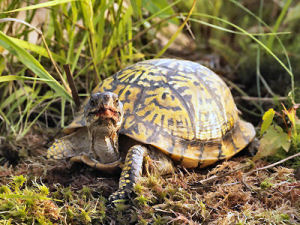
[{"x": 97, "y": 38}]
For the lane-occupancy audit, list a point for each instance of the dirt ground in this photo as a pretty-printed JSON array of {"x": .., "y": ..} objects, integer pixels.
[{"x": 225, "y": 193}]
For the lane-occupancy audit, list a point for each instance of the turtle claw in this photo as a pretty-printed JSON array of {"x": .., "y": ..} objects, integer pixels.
[{"x": 119, "y": 200}]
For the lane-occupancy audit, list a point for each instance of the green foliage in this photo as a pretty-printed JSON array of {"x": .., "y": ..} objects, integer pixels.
[
  {"x": 95, "y": 49},
  {"x": 275, "y": 137},
  {"x": 142, "y": 200},
  {"x": 26, "y": 205},
  {"x": 266, "y": 184},
  {"x": 29, "y": 61},
  {"x": 267, "y": 120}
]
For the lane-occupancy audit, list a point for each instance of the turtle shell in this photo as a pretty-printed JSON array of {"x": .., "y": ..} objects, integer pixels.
[{"x": 180, "y": 107}]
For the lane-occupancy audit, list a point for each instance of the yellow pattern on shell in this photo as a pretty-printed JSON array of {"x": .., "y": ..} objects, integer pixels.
[{"x": 166, "y": 98}]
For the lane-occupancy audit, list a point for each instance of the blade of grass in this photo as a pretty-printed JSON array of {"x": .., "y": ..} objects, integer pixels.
[
  {"x": 71, "y": 34},
  {"x": 33, "y": 121},
  {"x": 100, "y": 23},
  {"x": 88, "y": 17},
  {"x": 279, "y": 21},
  {"x": 9, "y": 78},
  {"x": 17, "y": 77},
  {"x": 129, "y": 37},
  {"x": 137, "y": 7},
  {"x": 237, "y": 32},
  {"x": 62, "y": 115},
  {"x": 2, "y": 64},
  {"x": 57, "y": 28},
  {"x": 177, "y": 32},
  {"x": 37, "y": 49},
  {"x": 40, "y": 5},
  {"x": 31, "y": 98},
  {"x": 158, "y": 13},
  {"x": 277, "y": 38},
  {"x": 44, "y": 41},
  {"x": 29, "y": 61},
  {"x": 124, "y": 31},
  {"x": 138, "y": 35},
  {"x": 13, "y": 96},
  {"x": 111, "y": 41},
  {"x": 269, "y": 51},
  {"x": 78, "y": 51},
  {"x": 258, "y": 74},
  {"x": 3, "y": 116}
]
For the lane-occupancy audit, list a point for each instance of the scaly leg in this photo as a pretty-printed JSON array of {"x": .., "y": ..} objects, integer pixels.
[
  {"x": 131, "y": 172},
  {"x": 133, "y": 167}
]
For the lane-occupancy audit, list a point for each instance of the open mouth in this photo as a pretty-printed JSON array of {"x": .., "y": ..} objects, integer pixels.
[{"x": 106, "y": 113}]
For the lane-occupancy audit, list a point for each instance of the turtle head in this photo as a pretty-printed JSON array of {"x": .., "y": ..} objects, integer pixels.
[{"x": 104, "y": 106}]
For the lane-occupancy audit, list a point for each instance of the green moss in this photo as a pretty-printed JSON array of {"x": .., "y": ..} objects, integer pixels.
[
  {"x": 85, "y": 217},
  {"x": 284, "y": 216},
  {"x": 85, "y": 192},
  {"x": 4, "y": 190},
  {"x": 28, "y": 205},
  {"x": 266, "y": 184},
  {"x": 142, "y": 200},
  {"x": 67, "y": 194}
]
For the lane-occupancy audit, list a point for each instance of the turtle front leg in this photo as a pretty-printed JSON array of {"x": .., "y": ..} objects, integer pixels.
[
  {"x": 133, "y": 166},
  {"x": 131, "y": 172}
]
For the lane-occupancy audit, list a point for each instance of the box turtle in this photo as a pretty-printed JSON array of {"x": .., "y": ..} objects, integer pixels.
[{"x": 165, "y": 110}]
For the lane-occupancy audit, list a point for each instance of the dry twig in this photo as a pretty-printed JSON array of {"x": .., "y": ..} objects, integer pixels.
[
  {"x": 266, "y": 167},
  {"x": 72, "y": 85},
  {"x": 216, "y": 177}
]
